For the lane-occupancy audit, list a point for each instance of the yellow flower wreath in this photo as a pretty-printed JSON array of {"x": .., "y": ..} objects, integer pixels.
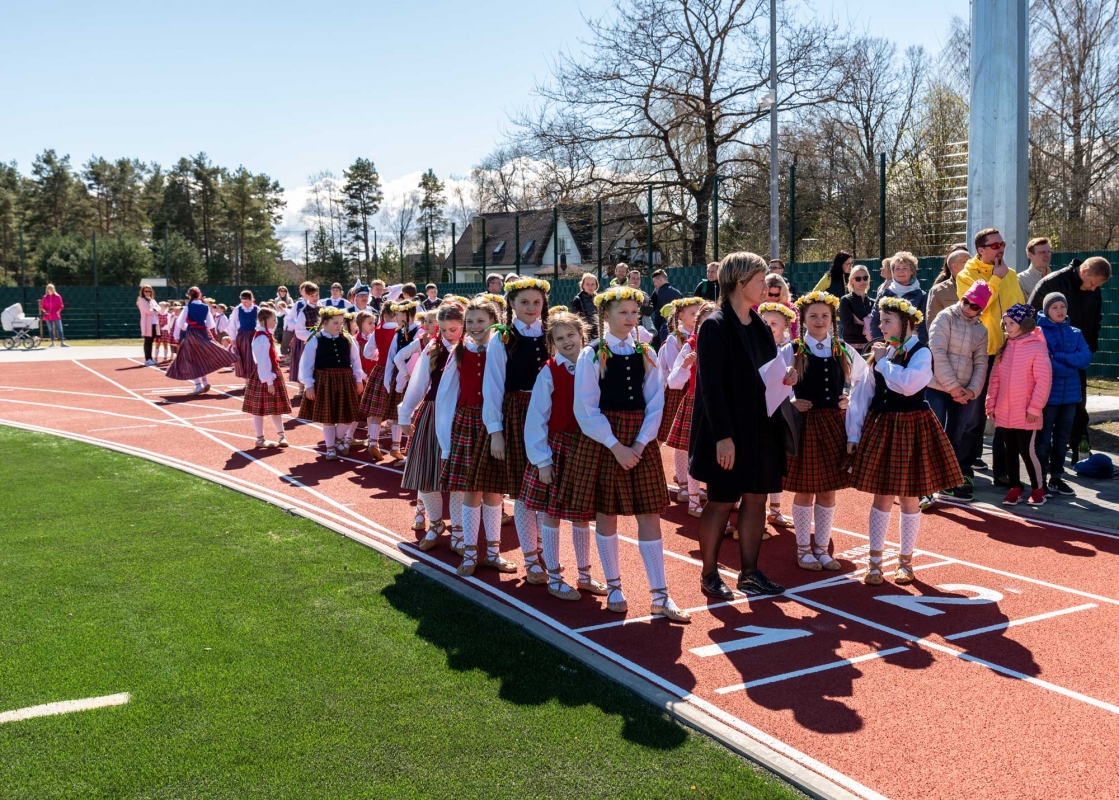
[
  {"x": 901, "y": 306},
  {"x": 617, "y": 293}
]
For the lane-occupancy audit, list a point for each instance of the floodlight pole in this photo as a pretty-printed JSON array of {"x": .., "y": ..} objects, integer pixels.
[{"x": 774, "y": 201}]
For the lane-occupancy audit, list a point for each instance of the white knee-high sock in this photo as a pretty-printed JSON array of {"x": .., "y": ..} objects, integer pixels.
[
  {"x": 528, "y": 527},
  {"x": 825, "y": 515},
  {"x": 340, "y": 432},
  {"x": 455, "y": 501},
  {"x": 371, "y": 429},
  {"x": 549, "y": 538},
  {"x": 879, "y": 526},
  {"x": 608, "y": 554},
  {"x": 910, "y": 525},
  {"x": 471, "y": 521},
  {"x": 433, "y": 502},
  {"x": 278, "y": 424},
  {"x": 258, "y": 426},
  {"x": 775, "y": 499},
  {"x": 581, "y": 538},
  {"x": 652, "y": 555},
  {"x": 329, "y": 435},
  {"x": 348, "y": 430},
  {"x": 693, "y": 488},
  {"x": 491, "y": 522},
  {"x": 396, "y": 436},
  {"x": 802, "y": 524},
  {"x": 680, "y": 462}
]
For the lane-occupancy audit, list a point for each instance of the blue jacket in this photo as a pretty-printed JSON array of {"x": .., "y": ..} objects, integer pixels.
[{"x": 1068, "y": 350}]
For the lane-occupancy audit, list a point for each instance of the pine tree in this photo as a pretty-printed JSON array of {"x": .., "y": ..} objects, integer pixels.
[
  {"x": 363, "y": 196},
  {"x": 431, "y": 220}
]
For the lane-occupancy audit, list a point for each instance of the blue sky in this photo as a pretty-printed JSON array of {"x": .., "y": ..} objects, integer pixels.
[{"x": 293, "y": 88}]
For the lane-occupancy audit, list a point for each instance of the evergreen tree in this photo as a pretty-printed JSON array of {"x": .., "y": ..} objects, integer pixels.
[{"x": 362, "y": 199}]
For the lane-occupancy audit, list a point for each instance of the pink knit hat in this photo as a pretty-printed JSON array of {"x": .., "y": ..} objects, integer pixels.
[{"x": 979, "y": 293}]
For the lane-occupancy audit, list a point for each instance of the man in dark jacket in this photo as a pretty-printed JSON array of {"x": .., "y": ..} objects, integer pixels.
[
  {"x": 1080, "y": 284},
  {"x": 663, "y": 294},
  {"x": 708, "y": 288}
]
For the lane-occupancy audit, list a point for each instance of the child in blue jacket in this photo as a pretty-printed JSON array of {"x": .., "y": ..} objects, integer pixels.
[{"x": 1069, "y": 353}]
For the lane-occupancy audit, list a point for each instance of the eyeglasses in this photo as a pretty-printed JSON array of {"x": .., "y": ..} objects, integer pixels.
[
  {"x": 995, "y": 246},
  {"x": 971, "y": 305},
  {"x": 861, "y": 278},
  {"x": 773, "y": 294}
]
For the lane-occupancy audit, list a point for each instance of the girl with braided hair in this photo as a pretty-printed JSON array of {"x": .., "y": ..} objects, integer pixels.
[
  {"x": 683, "y": 378},
  {"x": 376, "y": 402},
  {"x": 824, "y": 366},
  {"x": 681, "y": 318}
]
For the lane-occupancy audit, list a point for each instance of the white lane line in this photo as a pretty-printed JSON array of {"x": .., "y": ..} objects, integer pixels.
[
  {"x": 64, "y": 707},
  {"x": 1012, "y": 623},
  {"x": 124, "y": 428},
  {"x": 60, "y": 391}
]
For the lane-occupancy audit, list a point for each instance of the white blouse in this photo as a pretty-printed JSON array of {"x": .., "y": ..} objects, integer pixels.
[
  {"x": 493, "y": 383},
  {"x": 446, "y": 398},
  {"x": 539, "y": 413},
  {"x": 404, "y": 362},
  {"x": 307, "y": 361},
  {"x": 592, "y": 421},
  {"x": 418, "y": 388},
  {"x": 261, "y": 347},
  {"x": 666, "y": 357},
  {"x": 181, "y": 322},
  {"x": 390, "y": 362},
  {"x": 906, "y": 380},
  {"x": 235, "y": 318},
  {"x": 680, "y": 375}
]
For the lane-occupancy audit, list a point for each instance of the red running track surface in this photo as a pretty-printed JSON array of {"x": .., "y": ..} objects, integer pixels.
[{"x": 994, "y": 675}]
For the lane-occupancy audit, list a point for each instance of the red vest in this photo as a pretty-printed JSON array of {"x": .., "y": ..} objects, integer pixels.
[
  {"x": 383, "y": 337},
  {"x": 272, "y": 357},
  {"x": 470, "y": 373},
  {"x": 695, "y": 367},
  {"x": 563, "y": 399},
  {"x": 366, "y": 363}
]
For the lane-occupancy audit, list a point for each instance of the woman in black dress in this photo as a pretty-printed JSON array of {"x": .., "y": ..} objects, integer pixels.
[
  {"x": 736, "y": 448},
  {"x": 855, "y": 308},
  {"x": 583, "y": 303}
]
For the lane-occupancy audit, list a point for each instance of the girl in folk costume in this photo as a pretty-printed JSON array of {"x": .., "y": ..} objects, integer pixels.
[
  {"x": 306, "y": 320},
  {"x": 330, "y": 371},
  {"x": 406, "y": 358},
  {"x": 682, "y": 377},
  {"x": 423, "y": 467},
  {"x": 242, "y": 329},
  {"x": 408, "y": 330},
  {"x": 778, "y": 317},
  {"x": 824, "y": 365},
  {"x": 380, "y": 397},
  {"x": 366, "y": 322},
  {"x": 900, "y": 448},
  {"x": 266, "y": 395},
  {"x": 513, "y": 358},
  {"x": 462, "y": 434},
  {"x": 163, "y": 327},
  {"x": 680, "y": 315},
  {"x": 550, "y": 429},
  {"x": 612, "y": 470},
  {"x": 199, "y": 354}
]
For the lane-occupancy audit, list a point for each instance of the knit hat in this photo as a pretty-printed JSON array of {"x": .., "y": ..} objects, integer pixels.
[
  {"x": 1019, "y": 312},
  {"x": 1050, "y": 299},
  {"x": 979, "y": 293}
]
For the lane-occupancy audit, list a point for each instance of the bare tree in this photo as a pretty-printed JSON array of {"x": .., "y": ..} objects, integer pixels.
[{"x": 400, "y": 215}]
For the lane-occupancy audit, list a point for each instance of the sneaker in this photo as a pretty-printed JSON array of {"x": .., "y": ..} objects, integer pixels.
[
  {"x": 757, "y": 583},
  {"x": 963, "y": 493},
  {"x": 149, "y": 363},
  {"x": 1037, "y": 497},
  {"x": 1002, "y": 481},
  {"x": 925, "y": 502},
  {"x": 1013, "y": 497},
  {"x": 1060, "y": 487},
  {"x": 1049, "y": 491}
]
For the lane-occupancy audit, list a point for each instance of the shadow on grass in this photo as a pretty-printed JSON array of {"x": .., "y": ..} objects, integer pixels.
[{"x": 531, "y": 672}]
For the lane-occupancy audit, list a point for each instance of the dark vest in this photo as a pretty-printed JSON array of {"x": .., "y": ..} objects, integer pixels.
[
  {"x": 523, "y": 364},
  {"x": 822, "y": 382},
  {"x": 890, "y": 402},
  {"x": 621, "y": 387},
  {"x": 436, "y": 374},
  {"x": 404, "y": 336},
  {"x": 246, "y": 320},
  {"x": 310, "y": 316},
  {"x": 196, "y": 315},
  {"x": 333, "y": 353}
]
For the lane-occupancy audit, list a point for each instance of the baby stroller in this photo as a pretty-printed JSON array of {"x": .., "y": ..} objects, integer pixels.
[{"x": 12, "y": 320}]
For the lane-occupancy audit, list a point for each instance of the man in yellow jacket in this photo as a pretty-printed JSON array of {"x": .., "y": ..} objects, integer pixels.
[{"x": 1005, "y": 291}]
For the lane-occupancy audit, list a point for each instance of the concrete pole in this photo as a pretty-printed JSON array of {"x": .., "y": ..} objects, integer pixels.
[
  {"x": 774, "y": 200},
  {"x": 998, "y": 129}
]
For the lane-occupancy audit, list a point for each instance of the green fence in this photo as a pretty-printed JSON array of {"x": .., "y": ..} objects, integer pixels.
[{"x": 109, "y": 312}]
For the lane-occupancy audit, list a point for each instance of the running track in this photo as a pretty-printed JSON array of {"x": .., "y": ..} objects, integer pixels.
[{"x": 995, "y": 675}]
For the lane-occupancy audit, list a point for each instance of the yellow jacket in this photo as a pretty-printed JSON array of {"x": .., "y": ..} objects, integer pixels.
[{"x": 1005, "y": 292}]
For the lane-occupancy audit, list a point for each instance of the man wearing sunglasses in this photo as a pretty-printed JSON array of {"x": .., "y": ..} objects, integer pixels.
[{"x": 988, "y": 265}]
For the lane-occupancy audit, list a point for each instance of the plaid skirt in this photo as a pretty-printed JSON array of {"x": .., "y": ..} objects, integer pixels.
[
  {"x": 544, "y": 498},
  {"x": 244, "y": 366},
  {"x": 297, "y": 346},
  {"x": 461, "y": 470},
  {"x": 821, "y": 464},
  {"x": 335, "y": 400},
  {"x": 259, "y": 403},
  {"x": 376, "y": 400},
  {"x": 904, "y": 454},
  {"x": 198, "y": 356},
  {"x": 594, "y": 482},
  {"x": 514, "y": 409},
  {"x": 672, "y": 398},
  {"x": 681, "y": 432},
  {"x": 166, "y": 337},
  {"x": 422, "y": 469}
]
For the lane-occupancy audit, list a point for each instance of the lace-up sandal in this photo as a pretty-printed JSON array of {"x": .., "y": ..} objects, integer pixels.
[
  {"x": 558, "y": 588},
  {"x": 535, "y": 572},
  {"x": 395, "y": 454},
  {"x": 282, "y": 443},
  {"x": 694, "y": 508},
  {"x": 614, "y": 590},
  {"x": 419, "y": 523},
  {"x": 903, "y": 574},
  {"x": 331, "y": 454},
  {"x": 826, "y": 561},
  {"x": 432, "y": 536},
  {"x": 731, "y": 530},
  {"x": 774, "y": 517},
  {"x": 663, "y": 606},
  {"x": 590, "y": 585},
  {"x": 500, "y": 563},
  {"x": 457, "y": 542},
  {"x": 374, "y": 451},
  {"x": 469, "y": 561},
  {"x": 873, "y": 575},
  {"x": 806, "y": 560},
  {"x": 681, "y": 494},
  {"x": 344, "y": 447}
]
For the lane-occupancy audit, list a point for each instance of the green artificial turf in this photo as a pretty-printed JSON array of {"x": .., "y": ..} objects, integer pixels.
[{"x": 269, "y": 657}]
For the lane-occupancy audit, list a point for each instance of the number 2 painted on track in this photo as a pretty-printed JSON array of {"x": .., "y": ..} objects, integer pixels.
[
  {"x": 759, "y": 638},
  {"x": 923, "y": 605}
]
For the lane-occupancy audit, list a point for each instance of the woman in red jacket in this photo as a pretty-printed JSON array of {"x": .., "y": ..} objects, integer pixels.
[{"x": 50, "y": 311}]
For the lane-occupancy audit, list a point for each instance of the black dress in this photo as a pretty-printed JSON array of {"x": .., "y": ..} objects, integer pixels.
[{"x": 730, "y": 403}]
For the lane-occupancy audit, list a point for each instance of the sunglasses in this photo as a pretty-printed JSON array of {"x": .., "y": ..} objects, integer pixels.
[
  {"x": 860, "y": 278},
  {"x": 972, "y": 305},
  {"x": 996, "y": 246},
  {"x": 773, "y": 294}
]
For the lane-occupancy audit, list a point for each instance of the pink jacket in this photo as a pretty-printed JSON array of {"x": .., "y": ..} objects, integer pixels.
[
  {"x": 149, "y": 315},
  {"x": 1020, "y": 381},
  {"x": 52, "y": 307}
]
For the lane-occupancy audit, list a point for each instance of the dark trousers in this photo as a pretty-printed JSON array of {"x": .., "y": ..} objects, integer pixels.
[
  {"x": 998, "y": 455},
  {"x": 1079, "y": 430},
  {"x": 153, "y": 334},
  {"x": 1018, "y": 443},
  {"x": 1054, "y": 438},
  {"x": 959, "y": 423}
]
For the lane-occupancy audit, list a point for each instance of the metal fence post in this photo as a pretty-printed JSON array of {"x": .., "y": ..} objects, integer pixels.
[
  {"x": 598, "y": 210},
  {"x": 22, "y": 282},
  {"x": 306, "y": 255},
  {"x": 377, "y": 257},
  {"x": 517, "y": 239},
  {"x": 402, "y": 256},
  {"x": 454, "y": 254},
  {"x": 166, "y": 266},
  {"x": 649, "y": 248},
  {"x": 715, "y": 214},
  {"x": 882, "y": 206},
  {"x": 96, "y": 293},
  {"x": 483, "y": 248},
  {"x": 555, "y": 242},
  {"x": 792, "y": 215}
]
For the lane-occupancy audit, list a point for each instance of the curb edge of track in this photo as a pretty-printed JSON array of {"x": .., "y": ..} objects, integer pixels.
[{"x": 811, "y": 783}]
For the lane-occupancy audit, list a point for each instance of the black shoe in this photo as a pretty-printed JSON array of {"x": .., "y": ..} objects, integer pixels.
[
  {"x": 713, "y": 586},
  {"x": 757, "y": 583},
  {"x": 979, "y": 464},
  {"x": 1058, "y": 486},
  {"x": 1002, "y": 481},
  {"x": 963, "y": 493}
]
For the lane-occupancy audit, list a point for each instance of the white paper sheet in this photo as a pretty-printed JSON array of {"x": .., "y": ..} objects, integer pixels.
[{"x": 773, "y": 375}]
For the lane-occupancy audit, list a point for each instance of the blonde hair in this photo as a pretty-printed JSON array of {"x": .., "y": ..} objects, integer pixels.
[
  {"x": 906, "y": 257},
  {"x": 773, "y": 279},
  {"x": 560, "y": 319},
  {"x": 738, "y": 267}
]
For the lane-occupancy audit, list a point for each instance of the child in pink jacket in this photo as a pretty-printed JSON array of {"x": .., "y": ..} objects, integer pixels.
[{"x": 1020, "y": 380}]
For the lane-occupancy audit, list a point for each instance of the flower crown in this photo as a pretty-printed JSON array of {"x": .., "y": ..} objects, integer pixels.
[
  {"x": 209, "y": 301},
  {"x": 408, "y": 305},
  {"x": 901, "y": 306},
  {"x": 780, "y": 308},
  {"x": 458, "y": 299},
  {"x": 330, "y": 311},
  {"x": 558, "y": 309},
  {"x": 617, "y": 293},
  {"x": 528, "y": 283},
  {"x": 683, "y": 302},
  {"x": 817, "y": 297},
  {"x": 496, "y": 299}
]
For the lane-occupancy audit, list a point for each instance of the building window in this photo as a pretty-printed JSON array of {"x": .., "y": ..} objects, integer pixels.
[
  {"x": 527, "y": 248},
  {"x": 499, "y": 249}
]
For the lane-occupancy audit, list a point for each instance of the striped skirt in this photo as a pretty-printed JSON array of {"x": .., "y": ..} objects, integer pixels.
[
  {"x": 336, "y": 401},
  {"x": 244, "y": 366},
  {"x": 822, "y": 461},
  {"x": 514, "y": 409},
  {"x": 422, "y": 469},
  {"x": 297, "y": 346},
  {"x": 672, "y": 398},
  {"x": 260, "y": 403},
  {"x": 681, "y": 432},
  {"x": 904, "y": 454},
  {"x": 376, "y": 400},
  {"x": 198, "y": 356},
  {"x": 594, "y": 482},
  {"x": 545, "y": 497},
  {"x": 462, "y": 470}
]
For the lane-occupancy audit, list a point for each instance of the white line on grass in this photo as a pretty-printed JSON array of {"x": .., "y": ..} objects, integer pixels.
[{"x": 64, "y": 707}]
